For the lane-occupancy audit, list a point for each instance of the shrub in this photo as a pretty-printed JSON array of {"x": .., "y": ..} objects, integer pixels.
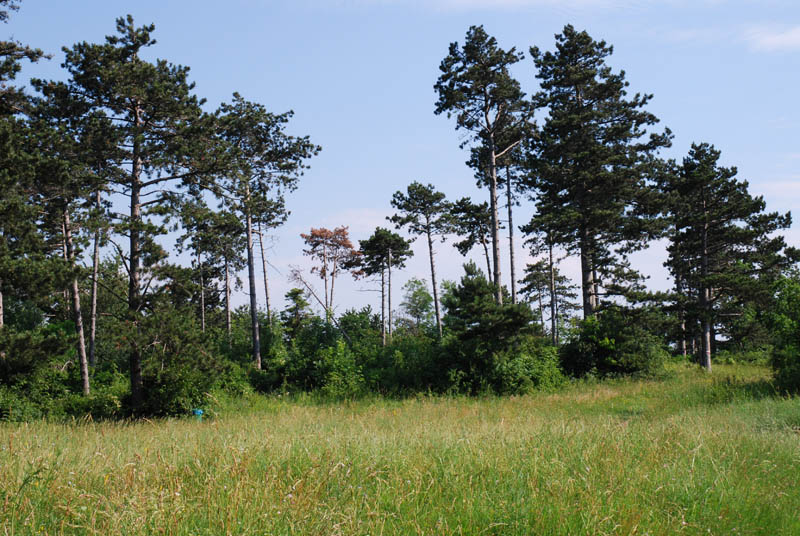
[
  {"x": 534, "y": 365},
  {"x": 613, "y": 342},
  {"x": 785, "y": 323},
  {"x": 343, "y": 378}
]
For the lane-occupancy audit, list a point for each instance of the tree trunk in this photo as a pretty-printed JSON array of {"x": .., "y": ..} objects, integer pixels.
[
  {"x": 541, "y": 310},
  {"x": 553, "y": 305},
  {"x": 383, "y": 307},
  {"x": 93, "y": 313},
  {"x": 389, "y": 274},
  {"x": 264, "y": 269},
  {"x": 251, "y": 273},
  {"x": 134, "y": 283},
  {"x": 76, "y": 305},
  {"x": 202, "y": 295},
  {"x": 587, "y": 276},
  {"x": 2, "y": 313},
  {"x": 227, "y": 299},
  {"x": 681, "y": 316},
  {"x": 488, "y": 263},
  {"x": 511, "y": 238},
  {"x": 498, "y": 296},
  {"x": 433, "y": 280},
  {"x": 325, "y": 279},
  {"x": 705, "y": 304}
]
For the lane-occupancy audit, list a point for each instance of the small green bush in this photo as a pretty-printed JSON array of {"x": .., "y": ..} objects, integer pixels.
[{"x": 343, "y": 377}]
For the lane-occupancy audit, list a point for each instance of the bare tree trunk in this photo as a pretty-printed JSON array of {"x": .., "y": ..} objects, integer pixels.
[
  {"x": 433, "y": 281},
  {"x": 498, "y": 296},
  {"x": 134, "y": 283},
  {"x": 202, "y": 295},
  {"x": 511, "y": 239},
  {"x": 251, "y": 272},
  {"x": 681, "y": 316},
  {"x": 541, "y": 310},
  {"x": 587, "y": 276},
  {"x": 383, "y": 307},
  {"x": 76, "y": 305},
  {"x": 706, "y": 305},
  {"x": 488, "y": 263},
  {"x": 325, "y": 279},
  {"x": 389, "y": 273},
  {"x": 93, "y": 313},
  {"x": 227, "y": 299},
  {"x": 264, "y": 269},
  {"x": 2, "y": 313},
  {"x": 553, "y": 305}
]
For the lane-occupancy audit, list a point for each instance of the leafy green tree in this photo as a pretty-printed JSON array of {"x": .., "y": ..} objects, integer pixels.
[
  {"x": 417, "y": 304},
  {"x": 593, "y": 160},
  {"x": 723, "y": 247},
  {"x": 477, "y": 88},
  {"x": 377, "y": 255},
  {"x": 296, "y": 313},
  {"x": 424, "y": 211}
]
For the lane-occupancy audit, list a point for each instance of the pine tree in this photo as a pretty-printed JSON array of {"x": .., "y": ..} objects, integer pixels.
[
  {"x": 473, "y": 222},
  {"x": 424, "y": 211},
  {"x": 723, "y": 248},
  {"x": 593, "y": 161},
  {"x": 164, "y": 143},
  {"x": 377, "y": 255},
  {"x": 262, "y": 163},
  {"x": 477, "y": 87}
]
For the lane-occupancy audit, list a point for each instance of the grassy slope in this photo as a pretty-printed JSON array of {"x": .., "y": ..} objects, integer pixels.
[{"x": 693, "y": 454}]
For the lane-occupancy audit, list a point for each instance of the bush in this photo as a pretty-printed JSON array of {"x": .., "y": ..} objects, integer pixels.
[
  {"x": 785, "y": 323},
  {"x": 532, "y": 366},
  {"x": 343, "y": 379},
  {"x": 613, "y": 342}
]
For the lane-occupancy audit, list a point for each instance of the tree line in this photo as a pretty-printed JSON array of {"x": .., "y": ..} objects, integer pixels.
[{"x": 122, "y": 153}]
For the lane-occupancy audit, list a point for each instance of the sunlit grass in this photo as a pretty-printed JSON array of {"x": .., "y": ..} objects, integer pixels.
[{"x": 691, "y": 454}]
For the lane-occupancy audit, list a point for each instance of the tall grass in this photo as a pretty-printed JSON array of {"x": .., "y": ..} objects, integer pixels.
[{"x": 692, "y": 454}]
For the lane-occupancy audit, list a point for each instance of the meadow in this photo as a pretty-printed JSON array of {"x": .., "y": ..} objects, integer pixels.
[{"x": 692, "y": 453}]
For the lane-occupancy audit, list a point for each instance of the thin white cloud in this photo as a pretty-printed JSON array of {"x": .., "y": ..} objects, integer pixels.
[{"x": 772, "y": 38}]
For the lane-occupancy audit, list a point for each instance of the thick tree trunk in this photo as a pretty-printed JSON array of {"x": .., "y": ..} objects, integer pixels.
[
  {"x": 510, "y": 198},
  {"x": 264, "y": 269},
  {"x": 433, "y": 281},
  {"x": 227, "y": 299},
  {"x": 134, "y": 283},
  {"x": 681, "y": 316},
  {"x": 389, "y": 275},
  {"x": 541, "y": 310},
  {"x": 383, "y": 307},
  {"x": 251, "y": 272},
  {"x": 587, "y": 276},
  {"x": 93, "y": 313},
  {"x": 76, "y": 305},
  {"x": 553, "y": 305},
  {"x": 498, "y": 296}
]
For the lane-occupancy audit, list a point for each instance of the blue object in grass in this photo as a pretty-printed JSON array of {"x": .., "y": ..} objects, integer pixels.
[{"x": 198, "y": 414}]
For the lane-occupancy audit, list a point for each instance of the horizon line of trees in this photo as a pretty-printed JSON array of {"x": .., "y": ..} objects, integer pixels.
[{"x": 122, "y": 152}]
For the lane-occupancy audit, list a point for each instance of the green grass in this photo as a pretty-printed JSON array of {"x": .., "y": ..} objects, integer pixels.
[{"x": 691, "y": 454}]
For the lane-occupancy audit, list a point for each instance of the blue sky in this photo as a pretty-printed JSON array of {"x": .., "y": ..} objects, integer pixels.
[{"x": 359, "y": 75}]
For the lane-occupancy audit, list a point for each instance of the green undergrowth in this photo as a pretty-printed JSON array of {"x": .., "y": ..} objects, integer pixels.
[{"x": 692, "y": 453}]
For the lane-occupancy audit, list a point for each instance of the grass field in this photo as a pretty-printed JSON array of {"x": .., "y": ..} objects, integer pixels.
[{"x": 692, "y": 454}]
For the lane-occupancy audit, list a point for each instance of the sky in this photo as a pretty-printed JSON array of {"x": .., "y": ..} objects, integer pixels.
[{"x": 359, "y": 75}]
